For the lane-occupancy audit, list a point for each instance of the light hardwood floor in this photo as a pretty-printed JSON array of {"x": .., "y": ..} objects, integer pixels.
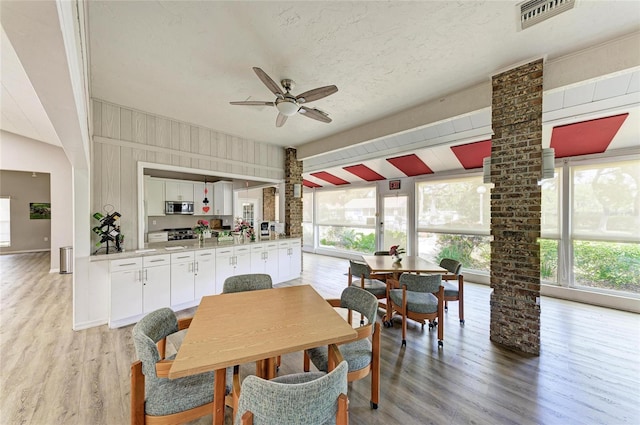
[{"x": 588, "y": 371}]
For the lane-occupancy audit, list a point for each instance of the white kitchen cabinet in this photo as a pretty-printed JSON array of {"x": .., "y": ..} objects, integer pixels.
[
  {"x": 223, "y": 198},
  {"x": 178, "y": 190},
  {"x": 156, "y": 282},
  {"x": 264, "y": 259},
  {"x": 231, "y": 261},
  {"x": 182, "y": 278},
  {"x": 198, "y": 196},
  {"x": 126, "y": 290},
  {"x": 154, "y": 196},
  {"x": 289, "y": 259},
  {"x": 205, "y": 274}
]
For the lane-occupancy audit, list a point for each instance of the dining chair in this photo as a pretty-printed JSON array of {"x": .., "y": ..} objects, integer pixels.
[
  {"x": 362, "y": 355},
  {"x": 156, "y": 399},
  {"x": 452, "y": 291},
  {"x": 249, "y": 282},
  {"x": 298, "y": 399},
  {"x": 419, "y": 297},
  {"x": 365, "y": 280},
  {"x": 381, "y": 276},
  {"x": 246, "y": 282}
]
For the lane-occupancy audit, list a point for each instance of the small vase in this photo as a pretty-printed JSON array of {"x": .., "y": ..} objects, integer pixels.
[
  {"x": 200, "y": 238},
  {"x": 397, "y": 258}
]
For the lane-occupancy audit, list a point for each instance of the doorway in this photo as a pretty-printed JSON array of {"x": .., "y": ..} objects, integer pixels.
[{"x": 394, "y": 225}]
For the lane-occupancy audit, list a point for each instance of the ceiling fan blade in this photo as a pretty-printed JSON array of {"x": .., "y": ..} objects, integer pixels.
[
  {"x": 267, "y": 81},
  {"x": 253, "y": 102},
  {"x": 315, "y": 94},
  {"x": 280, "y": 120},
  {"x": 315, "y": 114}
]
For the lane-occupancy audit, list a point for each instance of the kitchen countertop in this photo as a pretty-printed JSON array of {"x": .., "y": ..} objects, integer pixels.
[{"x": 158, "y": 248}]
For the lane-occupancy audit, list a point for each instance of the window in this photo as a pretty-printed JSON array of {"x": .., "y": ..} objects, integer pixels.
[
  {"x": 346, "y": 219},
  {"x": 605, "y": 226},
  {"x": 453, "y": 221},
  {"x": 248, "y": 212},
  {"x": 307, "y": 218},
  {"x": 5, "y": 222}
]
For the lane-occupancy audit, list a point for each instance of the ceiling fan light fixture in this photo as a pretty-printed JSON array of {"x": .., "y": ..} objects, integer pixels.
[{"x": 287, "y": 107}]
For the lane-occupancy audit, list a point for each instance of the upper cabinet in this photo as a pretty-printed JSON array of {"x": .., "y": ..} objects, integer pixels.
[
  {"x": 154, "y": 196},
  {"x": 223, "y": 198},
  {"x": 199, "y": 208},
  {"x": 176, "y": 190}
]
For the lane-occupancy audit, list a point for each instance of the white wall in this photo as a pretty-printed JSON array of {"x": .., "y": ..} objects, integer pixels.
[{"x": 19, "y": 153}]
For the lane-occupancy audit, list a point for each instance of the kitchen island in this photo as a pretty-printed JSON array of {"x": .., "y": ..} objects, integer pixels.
[{"x": 177, "y": 274}]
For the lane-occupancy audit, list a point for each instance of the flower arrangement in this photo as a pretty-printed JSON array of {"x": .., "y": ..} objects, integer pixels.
[
  {"x": 245, "y": 228},
  {"x": 201, "y": 227},
  {"x": 396, "y": 251}
]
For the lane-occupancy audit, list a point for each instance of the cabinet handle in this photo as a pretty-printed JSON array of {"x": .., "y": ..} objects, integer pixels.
[
  {"x": 184, "y": 256},
  {"x": 205, "y": 254},
  {"x": 156, "y": 261},
  {"x": 197, "y": 267},
  {"x": 126, "y": 264},
  {"x": 146, "y": 276}
]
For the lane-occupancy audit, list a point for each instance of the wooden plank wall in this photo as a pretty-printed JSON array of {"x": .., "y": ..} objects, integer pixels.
[{"x": 122, "y": 137}]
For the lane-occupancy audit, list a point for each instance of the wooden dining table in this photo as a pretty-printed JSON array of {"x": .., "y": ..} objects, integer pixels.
[
  {"x": 255, "y": 326},
  {"x": 409, "y": 264}
]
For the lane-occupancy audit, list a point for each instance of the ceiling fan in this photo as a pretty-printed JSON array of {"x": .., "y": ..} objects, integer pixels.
[{"x": 288, "y": 104}]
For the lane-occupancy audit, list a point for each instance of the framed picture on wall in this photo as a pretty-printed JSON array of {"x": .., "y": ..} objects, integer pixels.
[{"x": 39, "y": 211}]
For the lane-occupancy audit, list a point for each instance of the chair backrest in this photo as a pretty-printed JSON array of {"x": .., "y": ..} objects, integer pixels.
[
  {"x": 381, "y": 253},
  {"x": 147, "y": 332},
  {"x": 421, "y": 282},
  {"x": 309, "y": 398},
  {"x": 361, "y": 301},
  {"x": 452, "y": 265},
  {"x": 359, "y": 269},
  {"x": 247, "y": 282}
]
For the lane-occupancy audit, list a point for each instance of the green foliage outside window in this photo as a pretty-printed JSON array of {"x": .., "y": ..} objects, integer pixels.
[
  {"x": 349, "y": 240},
  {"x": 607, "y": 265}
]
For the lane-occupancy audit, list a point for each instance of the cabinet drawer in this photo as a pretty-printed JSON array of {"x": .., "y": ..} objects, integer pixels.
[
  {"x": 209, "y": 253},
  {"x": 270, "y": 246},
  {"x": 258, "y": 248},
  {"x": 125, "y": 264},
  {"x": 181, "y": 257},
  {"x": 284, "y": 244},
  {"x": 241, "y": 250},
  {"x": 156, "y": 260},
  {"x": 295, "y": 243}
]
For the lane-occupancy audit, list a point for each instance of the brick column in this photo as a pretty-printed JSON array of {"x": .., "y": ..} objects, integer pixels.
[
  {"x": 269, "y": 203},
  {"x": 292, "y": 206},
  {"x": 516, "y": 166}
]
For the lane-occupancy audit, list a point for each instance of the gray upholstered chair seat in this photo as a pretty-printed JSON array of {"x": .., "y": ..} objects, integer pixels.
[
  {"x": 168, "y": 396},
  {"x": 450, "y": 289},
  {"x": 298, "y": 399},
  {"x": 419, "y": 302},
  {"x": 375, "y": 286},
  {"x": 357, "y": 354}
]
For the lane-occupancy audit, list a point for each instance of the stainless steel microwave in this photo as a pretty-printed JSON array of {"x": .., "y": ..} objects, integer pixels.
[{"x": 174, "y": 207}]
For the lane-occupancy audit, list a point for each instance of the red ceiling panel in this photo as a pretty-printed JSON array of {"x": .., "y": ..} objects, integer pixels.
[
  {"x": 310, "y": 184},
  {"x": 364, "y": 172},
  {"x": 411, "y": 165},
  {"x": 585, "y": 137},
  {"x": 471, "y": 154},
  {"x": 323, "y": 175}
]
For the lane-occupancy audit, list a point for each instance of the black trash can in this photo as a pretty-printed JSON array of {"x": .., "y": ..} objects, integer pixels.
[{"x": 66, "y": 260}]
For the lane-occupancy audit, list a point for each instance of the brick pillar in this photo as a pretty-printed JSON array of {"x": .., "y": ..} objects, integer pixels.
[
  {"x": 269, "y": 203},
  {"x": 292, "y": 206},
  {"x": 516, "y": 166}
]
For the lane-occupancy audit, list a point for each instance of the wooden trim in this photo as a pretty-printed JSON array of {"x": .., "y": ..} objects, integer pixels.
[
  {"x": 181, "y": 417},
  {"x": 247, "y": 418},
  {"x": 163, "y": 367},
  {"x": 137, "y": 393},
  {"x": 342, "y": 415},
  {"x": 184, "y": 323}
]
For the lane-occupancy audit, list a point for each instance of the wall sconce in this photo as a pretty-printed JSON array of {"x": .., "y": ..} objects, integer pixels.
[{"x": 297, "y": 190}]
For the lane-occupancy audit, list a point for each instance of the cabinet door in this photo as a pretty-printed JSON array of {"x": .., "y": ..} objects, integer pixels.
[
  {"x": 283, "y": 261},
  {"x": 154, "y": 196},
  {"x": 271, "y": 261},
  {"x": 223, "y": 198},
  {"x": 295, "y": 258},
  {"x": 242, "y": 263},
  {"x": 224, "y": 266},
  {"x": 205, "y": 274},
  {"x": 156, "y": 287},
  {"x": 126, "y": 294},
  {"x": 176, "y": 190},
  {"x": 198, "y": 196},
  {"x": 258, "y": 261},
  {"x": 182, "y": 278}
]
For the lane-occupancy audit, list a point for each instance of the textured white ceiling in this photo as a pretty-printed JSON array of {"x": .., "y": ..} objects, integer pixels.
[{"x": 188, "y": 60}]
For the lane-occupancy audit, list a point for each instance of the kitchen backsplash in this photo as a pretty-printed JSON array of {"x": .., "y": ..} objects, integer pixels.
[{"x": 157, "y": 223}]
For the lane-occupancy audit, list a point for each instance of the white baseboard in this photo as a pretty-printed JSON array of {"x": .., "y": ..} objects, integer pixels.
[{"x": 87, "y": 325}]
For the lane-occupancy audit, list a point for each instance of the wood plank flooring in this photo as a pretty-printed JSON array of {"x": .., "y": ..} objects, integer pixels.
[{"x": 588, "y": 371}]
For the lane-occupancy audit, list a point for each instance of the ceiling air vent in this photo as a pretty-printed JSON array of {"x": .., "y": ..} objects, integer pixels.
[{"x": 535, "y": 11}]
